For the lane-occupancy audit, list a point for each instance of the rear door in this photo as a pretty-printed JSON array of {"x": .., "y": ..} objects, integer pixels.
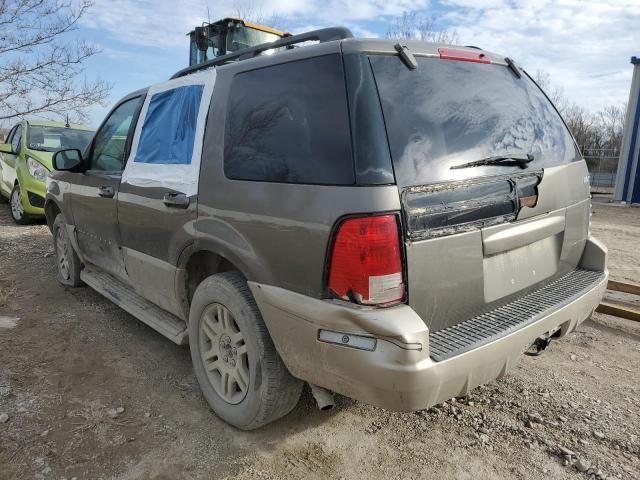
[
  {"x": 157, "y": 201},
  {"x": 93, "y": 194},
  {"x": 479, "y": 235}
]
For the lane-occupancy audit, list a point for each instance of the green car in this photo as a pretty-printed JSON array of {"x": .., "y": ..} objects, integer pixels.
[{"x": 25, "y": 162}]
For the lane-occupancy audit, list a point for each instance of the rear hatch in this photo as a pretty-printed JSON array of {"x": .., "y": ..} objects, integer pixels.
[{"x": 478, "y": 236}]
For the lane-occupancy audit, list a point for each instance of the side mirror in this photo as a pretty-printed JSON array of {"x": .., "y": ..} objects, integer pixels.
[
  {"x": 6, "y": 148},
  {"x": 69, "y": 160}
]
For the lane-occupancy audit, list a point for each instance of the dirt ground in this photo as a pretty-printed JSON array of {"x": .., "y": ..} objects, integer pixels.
[{"x": 91, "y": 393}]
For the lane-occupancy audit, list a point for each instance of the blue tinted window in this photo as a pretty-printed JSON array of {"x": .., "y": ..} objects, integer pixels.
[{"x": 169, "y": 128}]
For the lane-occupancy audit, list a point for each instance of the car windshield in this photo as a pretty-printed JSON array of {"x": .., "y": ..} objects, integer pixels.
[
  {"x": 240, "y": 38},
  {"x": 448, "y": 113},
  {"x": 50, "y": 139}
]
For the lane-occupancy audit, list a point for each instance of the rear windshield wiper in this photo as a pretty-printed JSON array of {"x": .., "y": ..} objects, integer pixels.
[
  {"x": 501, "y": 160},
  {"x": 406, "y": 56}
]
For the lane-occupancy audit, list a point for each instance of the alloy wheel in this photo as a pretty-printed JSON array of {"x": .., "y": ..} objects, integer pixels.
[
  {"x": 16, "y": 204},
  {"x": 63, "y": 255},
  {"x": 224, "y": 353}
]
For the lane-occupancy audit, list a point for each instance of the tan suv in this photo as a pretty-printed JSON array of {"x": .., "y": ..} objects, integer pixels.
[{"x": 393, "y": 222}]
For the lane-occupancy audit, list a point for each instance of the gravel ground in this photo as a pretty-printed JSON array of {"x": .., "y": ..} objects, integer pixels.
[{"x": 86, "y": 391}]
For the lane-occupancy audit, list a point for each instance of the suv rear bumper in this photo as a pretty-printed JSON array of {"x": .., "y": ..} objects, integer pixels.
[{"x": 400, "y": 374}]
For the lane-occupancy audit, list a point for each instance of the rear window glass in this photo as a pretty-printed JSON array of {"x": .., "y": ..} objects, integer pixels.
[
  {"x": 289, "y": 123},
  {"x": 447, "y": 113}
]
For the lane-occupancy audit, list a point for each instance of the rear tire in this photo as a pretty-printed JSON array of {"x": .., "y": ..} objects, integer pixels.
[
  {"x": 68, "y": 264},
  {"x": 17, "y": 210},
  {"x": 237, "y": 366}
]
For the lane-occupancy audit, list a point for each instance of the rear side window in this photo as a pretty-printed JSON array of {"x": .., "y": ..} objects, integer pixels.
[
  {"x": 289, "y": 123},
  {"x": 169, "y": 128},
  {"x": 446, "y": 113}
]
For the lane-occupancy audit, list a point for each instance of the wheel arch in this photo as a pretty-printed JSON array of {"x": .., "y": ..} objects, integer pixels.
[
  {"x": 195, "y": 264},
  {"x": 51, "y": 211}
]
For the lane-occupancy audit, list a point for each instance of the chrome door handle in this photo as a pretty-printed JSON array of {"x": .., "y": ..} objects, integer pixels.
[
  {"x": 176, "y": 200},
  {"x": 106, "y": 191}
]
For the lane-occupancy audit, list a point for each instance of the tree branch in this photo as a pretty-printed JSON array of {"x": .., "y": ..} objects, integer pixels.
[{"x": 39, "y": 66}]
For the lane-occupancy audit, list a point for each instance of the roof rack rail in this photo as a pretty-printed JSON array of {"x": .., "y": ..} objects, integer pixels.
[{"x": 322, "y": 35}]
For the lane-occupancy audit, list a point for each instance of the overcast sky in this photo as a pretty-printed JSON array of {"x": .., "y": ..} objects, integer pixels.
[{"x": 585, "y": 45}]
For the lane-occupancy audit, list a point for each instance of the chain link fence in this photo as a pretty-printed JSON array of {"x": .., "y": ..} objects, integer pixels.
[{"x": 603, "y": 165}]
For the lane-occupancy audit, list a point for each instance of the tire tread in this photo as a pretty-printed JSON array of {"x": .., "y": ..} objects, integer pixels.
[
  {"x": 75, "y": 263},
  {"x": 282, "y": 391}
]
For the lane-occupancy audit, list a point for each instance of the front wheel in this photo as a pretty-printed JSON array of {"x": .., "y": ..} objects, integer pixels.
[
  {"x": 17, "y": 210},
  {"x": 237, "y": 366}
]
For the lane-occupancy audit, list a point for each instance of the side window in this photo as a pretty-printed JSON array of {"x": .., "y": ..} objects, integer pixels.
[
  {"x": 169, "y": 128},
  {"x": 111, "y": 140},
  {"x": 289, "y": 123},
  {"x": 16, "y": 139}
]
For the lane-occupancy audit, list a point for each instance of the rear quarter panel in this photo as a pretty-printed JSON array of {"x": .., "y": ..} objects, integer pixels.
[{"x": 275, "y": 233}]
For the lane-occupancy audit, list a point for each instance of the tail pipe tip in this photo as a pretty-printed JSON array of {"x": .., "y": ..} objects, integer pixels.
[{"x": 323, "y": 397}]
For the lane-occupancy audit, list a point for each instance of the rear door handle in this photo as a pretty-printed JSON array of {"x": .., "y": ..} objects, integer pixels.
[
  {"x": 106, "y": 191},
  {"x": 176, "y": 200}
]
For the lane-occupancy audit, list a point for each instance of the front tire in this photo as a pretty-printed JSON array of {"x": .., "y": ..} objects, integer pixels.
[
  {"x": 17, "y": 210},
  {"x": 67, "y": 261},
  {"x": 237, "y": 366}
]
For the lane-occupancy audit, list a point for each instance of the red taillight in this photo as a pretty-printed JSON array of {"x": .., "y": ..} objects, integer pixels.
[
  {"x": 366, "y": 261},
  {"x": 463, "y": 55}
]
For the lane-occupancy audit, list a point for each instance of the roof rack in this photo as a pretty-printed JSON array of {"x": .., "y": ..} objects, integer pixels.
[{"x": 322, "y": 35}]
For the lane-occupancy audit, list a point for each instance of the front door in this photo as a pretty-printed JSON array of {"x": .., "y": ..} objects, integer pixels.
[{"x": 94, "y": 195}]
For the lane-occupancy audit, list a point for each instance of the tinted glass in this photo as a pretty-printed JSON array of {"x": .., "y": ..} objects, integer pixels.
[
  {"x": 369, "y": 139},
  {"x": 289, "y": 123},
  {"x": 111, "y": 140},
  {"x": 50, "y": 139},
  {"x": 446, "y": 113}
]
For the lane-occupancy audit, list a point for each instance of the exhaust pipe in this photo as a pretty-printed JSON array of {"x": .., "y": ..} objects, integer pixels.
[{"x": 324, "y": 398}]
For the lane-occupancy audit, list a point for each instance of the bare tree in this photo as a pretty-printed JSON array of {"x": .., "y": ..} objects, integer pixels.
[
  {"x": 41, "y": 68},
  {"x": 412, "y": 26},
  {"x": 594, "y": 131},
  {"x": 581, "y": 124},
  {"x": 254, "y": 14},
  {"x": 611, "y": 121}
]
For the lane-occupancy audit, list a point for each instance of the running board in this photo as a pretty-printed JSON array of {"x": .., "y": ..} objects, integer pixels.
[{"x": 123, "y": 295}]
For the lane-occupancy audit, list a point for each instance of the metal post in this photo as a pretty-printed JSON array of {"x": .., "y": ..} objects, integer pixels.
[
  {"x": 628, "y": 176},
  {"x": 600, "y": 166}
]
